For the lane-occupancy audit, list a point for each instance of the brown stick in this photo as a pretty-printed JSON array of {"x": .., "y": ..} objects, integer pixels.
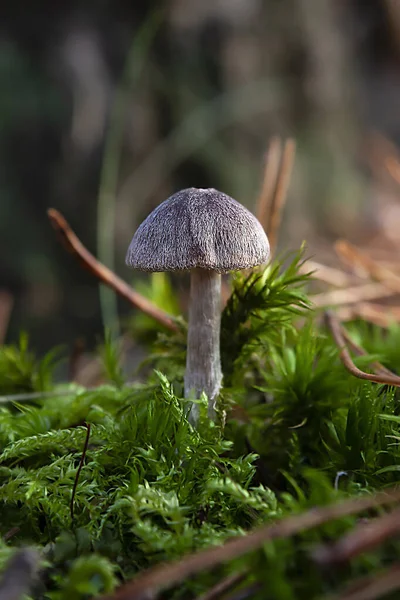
[
  {"x": 223, "y": 586},
  {"x": 78, "y": 349},
  {"x": 271, "y": 170},
  {"x": 378, "y": 149},
  {"x": 326, "y": 274},
  {"x": 363, "y": 538},
  {"x": 72, "y": 243},
  {"x": 374, "y": 313},
  {"x": 382, "y": 315},
  {"x": 6, "y": 306},
  {"x": 351, "y": 295},
  {"x": 353, "y": 255},
  {"x": 378, "y": 367},
  {"x": 279, "y": 199},
  {"x": 13, "y": 531},
  {"x": 371, "y": 588},
  {"x": 151, "y": 582},
  {"x": 393, "y": 167},
  {"x": 335, "y": 327}
]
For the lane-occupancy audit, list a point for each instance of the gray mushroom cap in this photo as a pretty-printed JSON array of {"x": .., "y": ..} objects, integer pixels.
[{"x": 198, "y": 228}]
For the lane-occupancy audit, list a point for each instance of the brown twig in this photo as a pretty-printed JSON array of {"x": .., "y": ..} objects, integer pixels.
[
  {"x": 351, "y": 295},
  {"x": 223, "y": 586},
  {"x": 353, "y": 255},
  {"x": 371, "y": 588},
  {"x": 6, "y": 306},
  {"x": 85, "y": 447},
  {"x": 363, "y": 538},
  {"x": 326, "y": 274},
  {"x": 336, "y": 330},
  {"x": 78, "y": 349},
  {"x": 378, "y": 150},
  {"x": 271, "y": 170},
  {"x": 151, "y": 582},
  {"x": 246, "y": 593},
  {"x": 379, "y": 315},
  {"x": 72, "y": 243},
  {"x": 377, "y": 366},
  {"x": 13, "y": 531},
  {"x": 393, "y": 167},
  {"x": 382, "y": 315},
  {"x": 279, "y": 198}
]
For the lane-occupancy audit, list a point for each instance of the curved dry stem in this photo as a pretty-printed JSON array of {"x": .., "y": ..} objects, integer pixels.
[
  {"x": 336, "y": 330},
  {"x": 72, "y": 243}
]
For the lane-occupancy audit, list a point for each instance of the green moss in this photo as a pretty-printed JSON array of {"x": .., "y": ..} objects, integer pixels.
[{"x": 152, "y": 488}]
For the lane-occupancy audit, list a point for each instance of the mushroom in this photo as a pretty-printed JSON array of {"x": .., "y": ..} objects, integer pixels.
[{"x": 207, "y": 233}]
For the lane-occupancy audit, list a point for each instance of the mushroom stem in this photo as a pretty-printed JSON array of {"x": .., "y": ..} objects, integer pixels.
[{"x": 203, "y": 361}]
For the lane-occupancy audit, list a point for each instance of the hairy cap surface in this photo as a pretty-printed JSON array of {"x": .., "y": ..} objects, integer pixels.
[{"x": 198, "y": 228}]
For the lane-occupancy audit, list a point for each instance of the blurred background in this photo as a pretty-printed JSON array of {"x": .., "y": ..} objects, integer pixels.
[{"x": 108, "y": 107}]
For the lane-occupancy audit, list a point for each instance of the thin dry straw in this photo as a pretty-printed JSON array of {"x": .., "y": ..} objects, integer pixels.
[
  {"x": 393, "y": 167},
  {"x": 280, "y": 195},
  {"x": 273, "y": 194},
  {"x": 72, "y": 243},
  {"x": 223, "y": 586},
  {"x": 352, "y": 295},
  {"x": 6, "y": 306},
  {"x": 378, "y": 367},
  {"x": 336, "y": 330},
  {"x": 271, "y": 170},
  {"x": 382, "y": 316},
  {"x": 151, "y": 582},
  {"x": 326, "y": 274},
  {"x": 363, "y": 538},
  {"x": 355, "y": 257},
  {"x": 371, "y": 588}
]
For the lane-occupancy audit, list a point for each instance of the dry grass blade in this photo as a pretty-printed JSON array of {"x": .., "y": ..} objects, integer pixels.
[
  {"x": 351, "y": 254},
  {"x": 362, "y": 538},
  {"x": 393, "y": 167},
  {"x": 151, "y": 582},
  {"x": 222, "y": 586},
  {"x": 279, "y": 198},
  {"x": 75, "y": 357},
  {"x": 72, "y": 243},
  {"x": 10, "y": 533},
  {"x": 378, "y": 151},
  {"x": 386, "y": 314},
  {"x": 271, "y": 170},
  {"x": 362, "y": 311},
  {"x": 246, "y": 593},
  {"x": 6, "y": 306},
  {"x": 351, "y": 295},
  {"x": 368, "y": 588},
  {"x": 373, "y": 313},
  {"x": 377, "y": 366},
  {"x": 326, "y": 274},
  {"x": 336, "y": 330}
]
